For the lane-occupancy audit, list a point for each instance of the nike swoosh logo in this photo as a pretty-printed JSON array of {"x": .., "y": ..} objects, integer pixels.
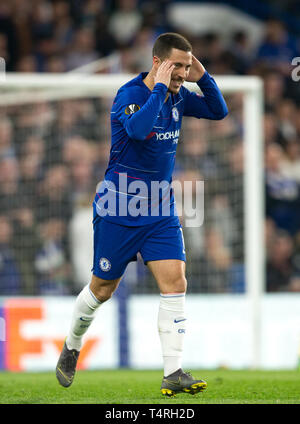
[
  {"x": 179, "y": 320},
  {"x": 85, "y": 320}
]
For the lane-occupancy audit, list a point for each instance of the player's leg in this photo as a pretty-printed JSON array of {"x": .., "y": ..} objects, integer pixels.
[
  {"x": 164, "y": 253},
  {"x": 170, "y": 277},
  {"x": 86, "y": 305},
  {"x": 114, "y": 247}
]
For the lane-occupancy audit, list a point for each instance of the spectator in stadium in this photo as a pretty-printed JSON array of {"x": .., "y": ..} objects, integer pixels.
[
  {"x": 242, "y": 52},
  {"x": 274, "y": 90},
  {"x": 280, "y": 267},
  {"x": 10, "y": 276},
  {"x": 66, "y": 126},
  {"x": 54, "y": 199},
  {"x": 27, "y": 63},
  {"x": 63, "y": 26},
  {"x": 235, "y": 173},
  {"x": 194, "y": 143},
  {"x": 105, "y": 41},
  {"x": 82, "y": 50},
  {"x": 287, "y": 120},
  {"x": 7, "y": 148},
  {"x": 32, "y": 119},
  {"x": 76, "y": 119},
  {"x": 55, "y": 64},
  {"x": 90, "y": 10},
  {"x": 270, "y": 128},
  {"x": 51, "y": 261},
  {"x": 101, "y": 157},
  {"x": 87, "y": 119},
  {"x": 76, "y": 149},
  {"x": 197, "y": 150},
  {"x": 124, "y": 61},
  {"x": 32, "y": 160},
  {"x": 142, "y": 48},
  {"x": 125, "y": 21},
  {"x": 82, "y": 177},
  {"x": 290, "y": 166},
  {"x": 282, "y": 192},
  {"x": 294, "y": 284},
  {"x": 41, "y": 21},
  {"x": 278, "y": 48},
  {"x": 34, "y": 145},
  {"x": 10, "y": 195},
  {"x": 270, "y": 234},
  {"x": 212, "y": 48},
  {"x": 30, "y": 175},
  {"x": 10, "y": 47},
  {"x": 81, "y": 240},
  {"x": 193, "y": 236},
  {"x": 26, "y": 242},
  {"x": 4, "y": 48},
  {"x": 45, "y": 48},
  {"x": 215, "y": 264}
]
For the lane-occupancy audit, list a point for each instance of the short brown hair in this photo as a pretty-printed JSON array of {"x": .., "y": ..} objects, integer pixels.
[{"x": 167, "y": 41}]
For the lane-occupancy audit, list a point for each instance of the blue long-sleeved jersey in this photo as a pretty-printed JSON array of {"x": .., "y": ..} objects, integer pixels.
[{"x": 145, "y": 130}]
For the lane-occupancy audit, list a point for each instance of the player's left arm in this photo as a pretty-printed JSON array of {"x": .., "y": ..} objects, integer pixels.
[{"x": 210, "y": 105}]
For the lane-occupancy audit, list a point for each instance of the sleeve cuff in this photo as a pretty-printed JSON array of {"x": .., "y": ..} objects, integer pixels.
[{"x": 160, "y": 85}]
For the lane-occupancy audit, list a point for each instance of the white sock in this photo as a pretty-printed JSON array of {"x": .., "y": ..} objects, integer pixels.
[
  {"x": 84, "y": 312},
  {"x": 171, "y": 327}
]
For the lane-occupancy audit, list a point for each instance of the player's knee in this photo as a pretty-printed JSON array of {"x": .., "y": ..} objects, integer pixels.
[
  {"x": 103, "y": 297},
  {"x": 103, "y": 293},
  {"x": 178, "y": 285},
  {"x": 102, "y": 289}
]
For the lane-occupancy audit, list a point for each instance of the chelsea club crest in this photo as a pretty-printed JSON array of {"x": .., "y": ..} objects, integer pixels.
[
  {"x": 175, "y": 114},
  {"x": 105, "y": 265}
]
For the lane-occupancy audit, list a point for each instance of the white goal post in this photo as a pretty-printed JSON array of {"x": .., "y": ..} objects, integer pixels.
[{"x": 20, "y": 88}]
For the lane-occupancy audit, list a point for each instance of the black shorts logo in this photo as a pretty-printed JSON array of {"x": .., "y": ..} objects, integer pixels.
[{"x": 130, "y": 109}]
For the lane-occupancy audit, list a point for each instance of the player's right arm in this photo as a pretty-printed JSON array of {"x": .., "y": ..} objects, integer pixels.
[{"x": 139, "y": 119}]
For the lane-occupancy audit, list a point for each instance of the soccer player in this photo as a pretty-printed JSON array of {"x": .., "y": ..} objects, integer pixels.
[{"x": 145, "y": 123}]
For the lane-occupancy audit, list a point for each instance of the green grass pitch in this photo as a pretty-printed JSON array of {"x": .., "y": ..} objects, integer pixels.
[{"x": 143, "y": 387}]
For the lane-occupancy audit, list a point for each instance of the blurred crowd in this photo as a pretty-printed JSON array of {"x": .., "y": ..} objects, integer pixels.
[{"x": 53, "y": 154}]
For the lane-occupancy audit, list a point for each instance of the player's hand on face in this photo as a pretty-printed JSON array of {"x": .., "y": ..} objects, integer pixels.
[
  {"x": 196, "y": 70},
  {"x": 164, "y": 72}
]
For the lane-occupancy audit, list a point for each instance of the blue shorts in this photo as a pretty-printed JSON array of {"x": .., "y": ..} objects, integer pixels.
[{"x": 117, "y": 245}]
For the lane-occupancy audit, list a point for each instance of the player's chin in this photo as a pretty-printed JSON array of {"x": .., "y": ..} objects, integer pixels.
[{"x": 174, "y": 89}]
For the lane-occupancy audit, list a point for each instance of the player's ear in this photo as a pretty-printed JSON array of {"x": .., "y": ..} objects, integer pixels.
[{"x": 156, "y": 62}]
